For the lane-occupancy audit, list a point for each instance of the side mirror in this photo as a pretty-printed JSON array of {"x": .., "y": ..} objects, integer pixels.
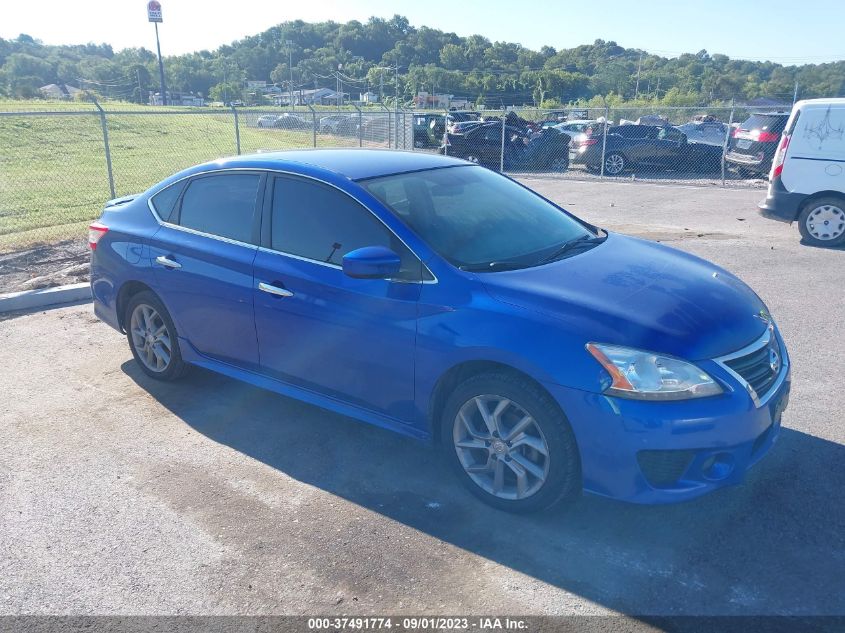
[{"x": 371, "y": 262}]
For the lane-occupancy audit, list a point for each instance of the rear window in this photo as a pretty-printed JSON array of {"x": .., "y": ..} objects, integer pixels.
[
  {"x": 165, "y": 200},
  {"x": 766, "y": 122}
]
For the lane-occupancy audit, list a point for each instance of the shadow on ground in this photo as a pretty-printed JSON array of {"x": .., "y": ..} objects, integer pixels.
[{"x": 773, "y": 545}]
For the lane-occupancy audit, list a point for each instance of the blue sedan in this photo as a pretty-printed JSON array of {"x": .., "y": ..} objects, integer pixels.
[{"x": 436, "y": 298}]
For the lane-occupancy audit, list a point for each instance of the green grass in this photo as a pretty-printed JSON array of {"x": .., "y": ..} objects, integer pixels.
[{"x": 53, "y": 177}]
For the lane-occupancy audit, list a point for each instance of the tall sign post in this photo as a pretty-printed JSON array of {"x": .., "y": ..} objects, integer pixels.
[{"x": 154, "y": 16}]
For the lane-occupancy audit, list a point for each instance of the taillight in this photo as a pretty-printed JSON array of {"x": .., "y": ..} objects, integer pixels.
[
  {"x": 768, "y": 137},
  {"x": 95, "y": 234},
  {"x": 780, "y": 157},
  {"x": 589, "y": 141}
]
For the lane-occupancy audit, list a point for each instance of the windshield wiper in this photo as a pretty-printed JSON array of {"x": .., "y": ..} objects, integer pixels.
[
  {"x": 490, "y": 267},
  {"x": 571, "y": 245}
]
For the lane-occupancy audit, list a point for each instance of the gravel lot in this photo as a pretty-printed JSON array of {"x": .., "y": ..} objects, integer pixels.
[{"x": 122, "y": 495}]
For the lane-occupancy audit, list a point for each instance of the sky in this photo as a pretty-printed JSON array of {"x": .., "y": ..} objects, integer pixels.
[{"x": 782, "y": 31}]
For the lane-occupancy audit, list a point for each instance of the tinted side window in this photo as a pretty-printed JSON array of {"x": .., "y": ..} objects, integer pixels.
[
  {"x": 321, "y": 223},
  {"x": 164, "y": 202},
  {"x": 221, "y": 205}
]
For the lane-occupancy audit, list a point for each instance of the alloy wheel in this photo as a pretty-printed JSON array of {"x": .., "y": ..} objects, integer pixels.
[
  {"x": 150, "y": 338},
  {"x": 826, "y": 222},
  {"x": 614, "y": 164},
  {"x": 501, "y": 447},
  {"x": 472, "y": 158}
]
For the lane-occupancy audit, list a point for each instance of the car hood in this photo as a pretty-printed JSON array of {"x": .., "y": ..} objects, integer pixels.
[{"x": 641, "y": 294}]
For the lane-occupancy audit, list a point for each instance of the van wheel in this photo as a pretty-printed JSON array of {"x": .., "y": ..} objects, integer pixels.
[
  {"x": 822, "y": 222},
  {"x": 510, "y": 443}
]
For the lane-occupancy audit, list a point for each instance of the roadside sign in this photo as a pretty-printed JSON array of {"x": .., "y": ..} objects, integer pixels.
[{"x": 154, "y": 11}]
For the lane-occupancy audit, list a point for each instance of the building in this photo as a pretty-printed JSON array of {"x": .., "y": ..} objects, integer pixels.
[
  {"x": 368, "y": 97},
  {"x": 440, "y": 101},
  {"x": 59, "y": 91},
  {"x": 177, "y": 98},
  {"x": 318, "y": 96}
]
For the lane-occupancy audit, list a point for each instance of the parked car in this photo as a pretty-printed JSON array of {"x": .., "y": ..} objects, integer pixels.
[
  {"x": 449, "y": 303},
  {"x": 421, "y": 125},
  {"x": 807, "y": 180},
  {"x": 462, "y": 127},
  {"x": 267, "y": 120},
  {"x": 710, "y": 132},
  {"x": 437, "y": 124},
  {"x": 342, "y": 124},
  {"x": 645, "y": 146},
  {"x": 546, "y": 151},
  {"x": 576, "y": 127},
  {"x": 290, "y": 121},
  {"x": 754, "y": 143}
]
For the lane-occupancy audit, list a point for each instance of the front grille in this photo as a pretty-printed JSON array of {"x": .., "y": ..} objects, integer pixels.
[
  {"x": 664, "y": 468},
  {"x": 759, "y": 368}
]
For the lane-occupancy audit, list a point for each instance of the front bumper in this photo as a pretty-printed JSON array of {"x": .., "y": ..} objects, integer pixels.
[{"x": 666, "y": 452}]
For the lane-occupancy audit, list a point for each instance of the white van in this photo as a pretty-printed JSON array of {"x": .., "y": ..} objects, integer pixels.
[{"x": 807, "y": 180}]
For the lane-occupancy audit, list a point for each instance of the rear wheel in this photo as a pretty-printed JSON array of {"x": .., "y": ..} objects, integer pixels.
[
  {"x": 152, "y": 338},
  {"x": 822, "y": 222},
  {"x": 614, "y": 164},
  {"x": 510, "y": 444}
]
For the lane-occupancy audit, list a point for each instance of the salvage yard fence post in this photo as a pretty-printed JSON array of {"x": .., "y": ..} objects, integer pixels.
[
  {"x": 604, "y": 127},
  {"x": 237, "y": 131},
  {"x": 728, "y": 132},
  {"x": 502, "y": 148},
  {"x": 106, "y": 147},
  {"x": 313, "y": 125}
]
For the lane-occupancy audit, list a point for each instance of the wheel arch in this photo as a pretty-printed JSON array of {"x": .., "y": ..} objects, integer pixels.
[
  {"x": 827, "y": 193},
  {"x": 455, "y": 375},
  {"x": 128, "y": 290}
]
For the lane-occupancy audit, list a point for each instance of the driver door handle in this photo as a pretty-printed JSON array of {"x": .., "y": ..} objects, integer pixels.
[
  {"x": 167, "y": 262},
  {"x": 274, "y": 290}
]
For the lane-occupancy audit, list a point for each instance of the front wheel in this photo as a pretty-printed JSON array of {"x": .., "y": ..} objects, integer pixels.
[
  {"x": 510, "y": 443},
  {"x": 822, "y": 222},
  {"x": 152, "y": 338}
]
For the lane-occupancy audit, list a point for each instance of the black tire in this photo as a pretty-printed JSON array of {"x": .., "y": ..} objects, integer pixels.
[
  {"x": 176, "y": 367},
  {"x": 563, "y": 478},
  {"x": 832, "y": 232}
]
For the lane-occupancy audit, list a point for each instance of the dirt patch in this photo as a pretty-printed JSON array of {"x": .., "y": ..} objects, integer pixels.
[{"x": 44, "y": 266}]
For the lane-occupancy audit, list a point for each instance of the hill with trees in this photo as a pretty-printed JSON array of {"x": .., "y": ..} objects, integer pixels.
[{"x": 366, "y": 55}]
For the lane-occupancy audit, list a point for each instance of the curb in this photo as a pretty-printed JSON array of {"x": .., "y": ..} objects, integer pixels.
[{"x": 44, "y": 297}]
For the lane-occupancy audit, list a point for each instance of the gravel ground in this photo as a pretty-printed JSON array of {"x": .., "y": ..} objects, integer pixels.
[{"x": 120, "y": 495}]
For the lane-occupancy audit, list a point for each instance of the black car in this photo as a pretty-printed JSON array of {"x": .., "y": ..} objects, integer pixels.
[
  {"x": 754, "y": 143},
  {"x": 545, "y": 151},
  {"x": 650, "y": 146}
]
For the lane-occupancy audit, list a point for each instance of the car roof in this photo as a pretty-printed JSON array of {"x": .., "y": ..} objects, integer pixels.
[
  {"x": 354, "y": 164},
  {"x": 821, "y": 102}
]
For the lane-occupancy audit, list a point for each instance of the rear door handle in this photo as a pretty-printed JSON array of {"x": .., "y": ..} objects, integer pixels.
[
  {"x": 167, "y": 262},
  {"x": 274, "y": 290}
]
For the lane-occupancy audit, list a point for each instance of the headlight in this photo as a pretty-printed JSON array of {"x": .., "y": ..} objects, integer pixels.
[{"x": 647, "y": 376}]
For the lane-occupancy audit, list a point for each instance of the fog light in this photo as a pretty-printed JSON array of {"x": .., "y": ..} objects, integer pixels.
[{"x": 718, "y": 466}]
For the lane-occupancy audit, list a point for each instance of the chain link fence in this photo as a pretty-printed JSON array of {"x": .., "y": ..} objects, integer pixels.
[
  {"x": 724, "y": 146},
  {"x": 57, "y": 168}
]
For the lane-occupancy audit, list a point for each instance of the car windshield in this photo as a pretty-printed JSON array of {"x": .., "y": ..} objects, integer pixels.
[{"x": 477, "y": 219}]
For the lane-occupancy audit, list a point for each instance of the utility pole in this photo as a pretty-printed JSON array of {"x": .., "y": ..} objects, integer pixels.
[
  {"x": 795, "y": 94},
  {"x": 290, "y": 71},
  {"x": 381, "y": 87},
  {"x": 639, "y": 66},
  {"x": 138, "y": 77}
]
